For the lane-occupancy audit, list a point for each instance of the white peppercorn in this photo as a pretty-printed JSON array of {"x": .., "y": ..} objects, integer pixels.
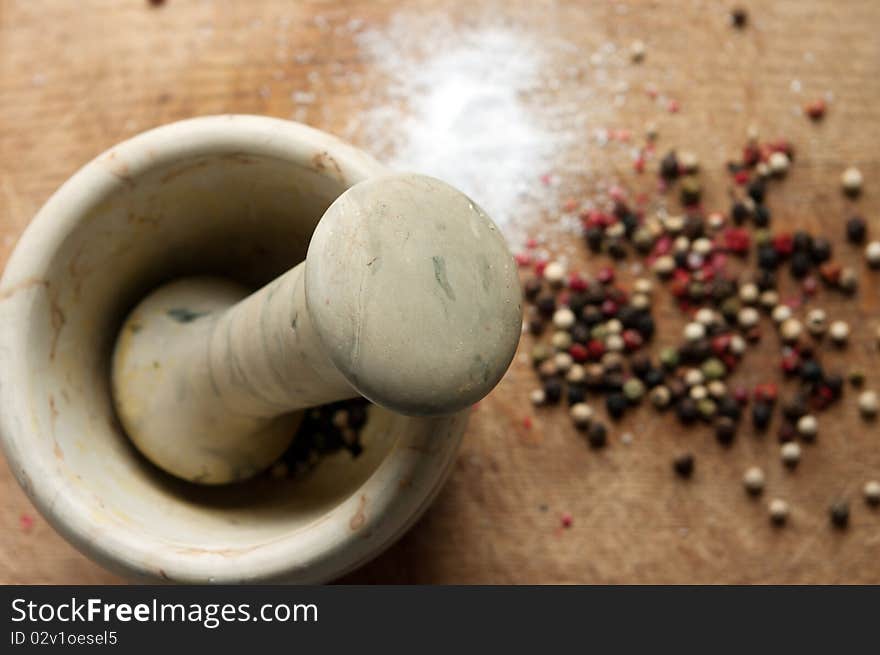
[
  {"x": 780, "y": 314},
  {"x": 790, "y": 330},
  {"x": 694, "y": 331},
  {"x": 614, "y": 343},
  {"x": 563, "y": 318},
  {"x": 872, "y": 492},
  {"x": 749, "y": 293},
  {"x": 581, "y": 414},
  {"x": 706, "y": 316},
  {"x": 817, "y": 322},
  {"x": 563, "y": 362},
  {"x": 661, "y": 397},
  {"x": 851, "y": 180},
  {"x": 554, "y": 273},
  {"x": 737, "y": 345},
  {"x": 778, "y": 509},
  {"x": 869, "y": 404},
  {"x": 839, "y": 331},
  {"x": 808, "y": 426},
  {"x": 791, "y": 453},
  {"x": 778, "y": 163},
  {"x": 748, "y": 317},
  {"x": 537, "y": 397},
  {"x": 872, "y": 254},
  {"x": 576, "y": 374},
  {"x": 664, "y": 265},
  {"x": 769, "y": 299},
  {"x": 753, "y": 480}
]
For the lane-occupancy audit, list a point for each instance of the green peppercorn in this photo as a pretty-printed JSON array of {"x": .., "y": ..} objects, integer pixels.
[
  {"x": 634, "y": 390},
  {"x": 540, "y": 353},
  {"x": 669, "y": 357},
  {"x": 713, "y": 369}
]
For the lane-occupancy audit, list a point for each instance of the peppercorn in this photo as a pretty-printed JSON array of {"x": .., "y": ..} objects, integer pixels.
[
  {"x": 856, "y": 378},
  {"x": 766, "y": 280},
  {"x": 761, "y": 216},
  {"x": 811, "y": 371},
  {"x": 808, "y": 427},
  {"x": 767, "y": 257},
  {"x": 554, "y": 273},
  {"x": 791, "y": 454},
  {"x": 691, "y": 189},
  {"x": 581, "y": 415},
  {"x": 756, "y": 190},
  {"x": 778, "y": 510},
  {"x": 616, "y": 249},
  {"x": 531, "y": 288},
  {"x": 856, "y": 230},
  {"x": 802, "y": 241},
  {"x": 661, "y": 397},
  {"x": 653, "y": 378},
  {"x": 821, "y": 250},
  {"x": 762, "y": 412},
  {"x": 669, "y": 168},
  {"x": 839, "y": 332},
  {"x": 801, "y": 263},
  {"x": 538, "y": 397},
  {"x": 851, "y": 181},
  {"x": 686, "y": 410},
  {"x": 729, "y": 408},
  {"x": 739, "y": 18},
  {"x": 725, "y": 430},
  {"x": 740, "y": 212},
  {"x": 713, "y": 369},
  {"x": 869, "y": 404},
  {"x": 594, "y": 237},
  {"x": 872, "y": 254},
  {"x": 753, "y": 480},
  {"x": 834, "y": 382},
  {"x": 597, "y": 435},
  {"x": 872, "y": 492},
  {"x": 795, "y": 408},
  {"x": 536, "y": 326},
  {"x": 848, "y": 281},
  {"x": 839, "y": 513},
  {"x": 616, "y": 404},
  {"x": 552, "y": 390},
  {"x": 683, "y": 465},
  {"x": 546, "y": 305}
]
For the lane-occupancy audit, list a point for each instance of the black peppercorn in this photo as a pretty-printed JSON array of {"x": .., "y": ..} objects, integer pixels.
[
  {"x": 821, "y": 250},
  {"x": 725, "y": 430},
  {"x": 532, "y": 288},
  {"x": 580, "y": 333},
  {"x": 597, "y": 435},
  {"x": 756, "y": 190},
  {"x": 802, "y": 241},
  {"x": 653, "y": 378},
  {"x": 552, "y": 390},
  {"x": 768, "y": 258},
  {"x": 729, "y": 407},
  {"x": 536, "y": 326},
  {"x": 739, "y": 212},
  {"x": 811, "y": 371},
  {"x": 616, "y": 404},
  {"x": 762, "y": 216},
  {"x": 577, "y": 302},
  {"x": 616, "y": 249},
  {"x": 694, "y": 227},
  {"x": 739, "y": 18},
  {"x": 766, "y": 280},
  {"x": 576, "y": 394},
  {"x": 546, "y": 305},
  {"x": 801, "y": 263},
  {"x": 640, "y": 364},
  {"x": 683, "y": 465},
  {"x": 839, "y": 513},
  {"x": 834, "y": 382},
  {"x": 591, "y": 316},
  {"x": 630, "y": 222},
  {"x": 795, "y": 408},
  {"x": 761, "y": 415},
  {"x": 686, "y": 410},
  {"x": 669, "y": 166},
  {"x": 594, "y": 237},
  {"x": 856, "y": 230}
]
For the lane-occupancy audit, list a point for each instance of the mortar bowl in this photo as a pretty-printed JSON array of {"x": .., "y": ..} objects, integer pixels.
[{"x": 236, "y": 196}]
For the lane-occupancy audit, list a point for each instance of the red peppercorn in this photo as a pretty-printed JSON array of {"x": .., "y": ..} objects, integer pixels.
[
  {"x": 527, "y": 422},
  {"x": 809, "y": 285},
  {"x": 741, "y": 395},
  {"x": 609, "y": 308},
  {"x": 540, "y": 265},
  {"x": 790, "y": 363},
  {"x": 531, "y": 243},
  {"x": 639, "y": 164},
  {"x": 751, "y": 155},
  {"x": 830, "y": 272},
  {"x": 736, "y": 240},
  {"x": 605, "y": 275},
  {"x": 766, "y": 392},
  {"x": 566, "y": 520},
  {"x": 522, "y": 259},
  {"x": 730, "y": 361},
  {"x": 576, "y": 282},
  {"x": 672, "y": 106},
  {"x": 721, "y": 343},
  {"x": 595, "y": 348},
  {"x": 632, "y": 340},
  {"x": 578, "y": 352},
  {"x": 815, "y": 109},
  {"x": 786, "y": 433},
  {"x": 783, "y": 244},
  {"x": 741, "y": 177}
]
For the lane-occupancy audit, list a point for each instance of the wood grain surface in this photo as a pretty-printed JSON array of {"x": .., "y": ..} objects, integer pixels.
[{"x": 77, "y": 77}]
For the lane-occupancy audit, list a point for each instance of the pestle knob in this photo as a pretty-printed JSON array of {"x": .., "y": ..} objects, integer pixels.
[{"x": 408, "y": 296}]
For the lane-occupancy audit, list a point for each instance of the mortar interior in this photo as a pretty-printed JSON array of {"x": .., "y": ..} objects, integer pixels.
[{"x": 248, "y": 217}]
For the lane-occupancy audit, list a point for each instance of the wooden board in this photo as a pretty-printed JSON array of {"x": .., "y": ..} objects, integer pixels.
[{"x": 76, "y": 77}]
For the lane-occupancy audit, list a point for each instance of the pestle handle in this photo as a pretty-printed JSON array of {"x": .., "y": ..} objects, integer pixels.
[{"x": 408, "y": 296}]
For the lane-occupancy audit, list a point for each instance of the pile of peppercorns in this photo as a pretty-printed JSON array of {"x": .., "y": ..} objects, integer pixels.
[
  {"x": 598, "y": 328},
  {"x": 324, "y": 431}
]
